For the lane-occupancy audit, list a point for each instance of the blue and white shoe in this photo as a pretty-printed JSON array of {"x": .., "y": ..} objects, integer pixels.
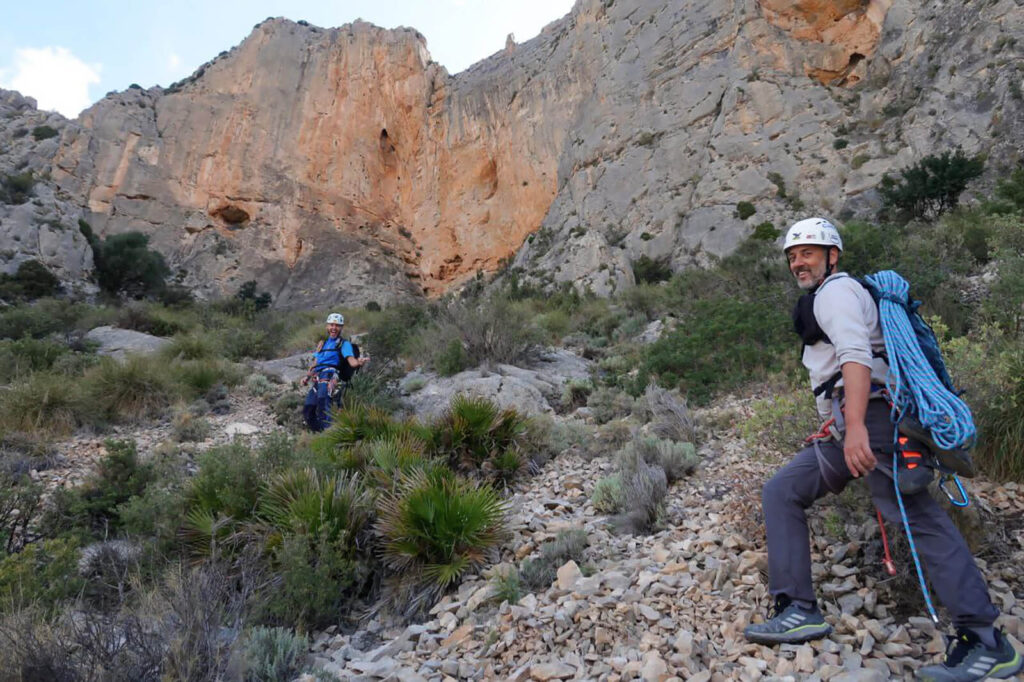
[
  {"x": 968, "y": 659},
  {"x": 788, "y": 624}
]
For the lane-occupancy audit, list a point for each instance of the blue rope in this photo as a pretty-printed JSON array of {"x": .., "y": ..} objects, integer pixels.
[
  {"x": 906, "y": 525},
  {"x": 912, "y": 382},
  {"x": 915, "y": 387}
]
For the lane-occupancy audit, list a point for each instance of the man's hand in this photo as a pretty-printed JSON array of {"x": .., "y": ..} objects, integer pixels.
[
  {"x": 305, "y": 380},
  {"x": 857, "y": 450}
]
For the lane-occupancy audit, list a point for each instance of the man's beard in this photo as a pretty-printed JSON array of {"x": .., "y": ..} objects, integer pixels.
[{"x": 807, "y": 284}]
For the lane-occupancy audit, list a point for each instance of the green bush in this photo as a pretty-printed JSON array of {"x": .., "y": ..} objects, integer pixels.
[
  {"x": 744, "y": 210},
  {"x": 251, "y": 300},
  {"x": 840, "y": 143},
  {"x": 489, "y": 328},
  {"x": 44, "y": 132},
  {"x": 766, "y": 231},
  {"x": 734, "y": 343},
  {"x": 274, "y": 654},
  {"x": 475, "y": 435},
  {"x": 125, "y": 265},
  {"x": 44, "y": 403},
  {"x": 651, "y": 270},
  {"x": 317, "y": 581},
  {"x": 435, "y": 527},
  {"x": 315, "y": 505},
  {"x": 43, "y": 575},
  {"x": 1011, "y": 189},
  {"x": 24, "y": 356},
  {"x": 607, "y": 495},
  {"x": 129, "y": 390},
  {"x": 575, "y": 392},
  {"x": 94, "y": 506},
  {"x": 192, "y": 345},
  {"x": 199, "y": 377},
  {"x": 227, "y": 483},
  {"x": 452, "y": 359},
  {"x": 17, "y": 189},
  {"x": 32, "y": 280},
  {"x": 930, "y": 187}
]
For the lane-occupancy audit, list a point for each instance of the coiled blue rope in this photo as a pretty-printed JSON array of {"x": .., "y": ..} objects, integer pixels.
[
  {"x": 913, "y": 384},
  {"x": 916, "y": 388}
]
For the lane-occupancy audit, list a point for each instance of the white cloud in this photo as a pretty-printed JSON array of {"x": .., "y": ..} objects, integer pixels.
[{"x": 56, "y": 78}]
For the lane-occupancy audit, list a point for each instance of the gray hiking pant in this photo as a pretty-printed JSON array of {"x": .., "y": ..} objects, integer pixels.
[{"x": 948, "y": 563}]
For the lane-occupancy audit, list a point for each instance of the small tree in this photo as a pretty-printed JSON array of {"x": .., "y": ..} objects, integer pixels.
[
  {"x": 250, "y": 298},
  {"x": 930, "y": 187},
  {"x": 126, "y": 266}
]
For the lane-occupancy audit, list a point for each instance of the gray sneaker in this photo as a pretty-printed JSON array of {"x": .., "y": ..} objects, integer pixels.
[
  {"x": 968, "y": 659},
  {"x": 788, "y": 624}
]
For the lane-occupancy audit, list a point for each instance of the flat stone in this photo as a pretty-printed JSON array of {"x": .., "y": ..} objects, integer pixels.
[{"x": 551, "y": 671}]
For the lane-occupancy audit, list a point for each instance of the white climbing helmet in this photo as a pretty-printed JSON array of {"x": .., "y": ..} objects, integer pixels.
[
  {"x": 816, "y": 231},
  {"x": 335, "y": 318}
]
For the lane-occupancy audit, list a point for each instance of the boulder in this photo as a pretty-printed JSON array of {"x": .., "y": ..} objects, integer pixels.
[{"x": 118, "y": 343}]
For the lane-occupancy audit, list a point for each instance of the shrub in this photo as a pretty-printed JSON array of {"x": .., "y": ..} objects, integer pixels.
[
  {"x": 651, "y": 270},
  {"x": 129, "y": 390},
  {"x": 44, "y": 132},
  {"x": 670, "y": 416},
  {"x": 259, "y": 385},
  {"x": 490, "y": 329},
  {"x": 372, "y": 307},
  {"x": 17, "y": 189},
  {"x": 840, "y": 143},
  {"x": 273, "y": 654},
  {"x": 202, "y": 377},
  {"x": 744, "y": 210},
  {"x": 316, "y": 580},
  {"x": 189, "y": 428},
  {"x": 474, "y": 432},
  {"x": 93, "y": 507},
  {"x": 507, "y": 586},
  {"x": 607, "y": 404},
  {"x": 766, "y": 231},
  {"x": 43, "y": 574},
  {"x": 24, "y": 356},
  {"x": 288, "y": 410},
  {"x": 152, "y": 319},
  {"x": 126, "y": 266},
  {"x": 780, "y": 423},
  {"x": 252, "y": 302},
  {"x": 735, "y": 342},
  {"x": 930, "y": 187},
  {"x": 32, "y": 280},
  {"x": 575, "y": 392},
  {"x": 568, "y": 545},
  {"x": 607, "y": 495},
  {"x": 435, "y": 527},
  {"x": 191, "y": 346},
  {"x": 675, "y": 459},
  {"x": 452, "y": 360},
  {"x": 315, "y": 505},
  {"x": 1011, "y": 189},
  {"x": 20, "y": 499},
  {"x": 45, "y": 402},
  {"x": 643, "y": 494},
  {"x": 225, "y": 490}
]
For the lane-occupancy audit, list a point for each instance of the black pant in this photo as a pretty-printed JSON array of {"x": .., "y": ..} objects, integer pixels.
[{"x": 944, "y": 555}]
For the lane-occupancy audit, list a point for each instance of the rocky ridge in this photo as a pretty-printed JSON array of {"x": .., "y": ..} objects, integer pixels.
[{"x": 343, "y": 165}]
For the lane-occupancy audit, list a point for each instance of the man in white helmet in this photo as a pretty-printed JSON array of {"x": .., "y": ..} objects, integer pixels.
[
  {"x": 328, "y": 357},
  {"x": 844, "y": 352}
]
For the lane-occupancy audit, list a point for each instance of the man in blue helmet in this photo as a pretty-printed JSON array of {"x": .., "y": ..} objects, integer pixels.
[
  {"x": 330, "y": 353},
  {"x": 844, "y": 352}
]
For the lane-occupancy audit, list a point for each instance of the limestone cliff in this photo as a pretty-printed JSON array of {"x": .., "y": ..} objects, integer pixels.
[{"x": 344, "y": 165}]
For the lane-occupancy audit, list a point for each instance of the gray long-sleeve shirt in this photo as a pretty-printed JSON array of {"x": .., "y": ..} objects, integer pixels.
[{"x": 848, "y": 315}]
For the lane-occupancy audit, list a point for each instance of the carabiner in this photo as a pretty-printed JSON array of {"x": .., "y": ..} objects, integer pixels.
[{"x": 963, "y": 501}]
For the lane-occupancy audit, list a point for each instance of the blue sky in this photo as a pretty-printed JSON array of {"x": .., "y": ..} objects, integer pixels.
[{"x": 69, "y": 54}]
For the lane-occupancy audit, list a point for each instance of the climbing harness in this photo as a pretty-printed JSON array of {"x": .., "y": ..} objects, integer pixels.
[{"x": 919, "y": 386}]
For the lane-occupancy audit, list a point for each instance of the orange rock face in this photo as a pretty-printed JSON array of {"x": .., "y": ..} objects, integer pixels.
[
  {"x": 848, "y": 31},
  {"x": 300, "y": 130}
]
